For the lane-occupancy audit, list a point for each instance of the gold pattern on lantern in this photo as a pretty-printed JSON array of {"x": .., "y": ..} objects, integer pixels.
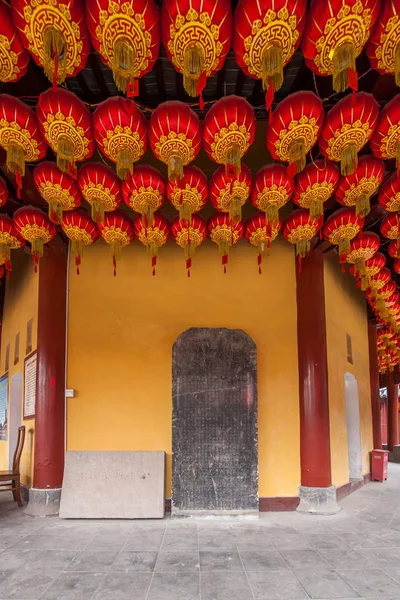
[
  {"x": 187, "y": 195},
  {"x": 238, "y": 189},
  {"x": 54, "y": 191},
  {"x": 390, "y": 142},
  {"x": 120, "y": 138},
  {"x": 350, "y": 134},
  {"x": 388, "y": 46},
  {"x": 175, "y": 144},
  {"x": 59, "y": 126},
  {"x": 189, "y": 237},
  {"x": 143, "y": 198},
  {"x": 227, "y": 138},
  {"x": 14, "y": 133},
  {"x": 152, "y": 237},
  {"x": 393, "y": 205},
  {"x": 305, "y": 128},
  {"x": 9, "y": 69},
  {"x": 224, "y": 234},
  {"x": 346, "y": 231}
]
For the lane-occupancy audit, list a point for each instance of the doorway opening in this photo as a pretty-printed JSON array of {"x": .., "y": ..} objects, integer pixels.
[{"x": 353, "y": 427}]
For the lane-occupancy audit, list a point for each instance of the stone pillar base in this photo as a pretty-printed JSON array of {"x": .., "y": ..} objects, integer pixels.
[
  {"x": 318, "y": 501},
  {"x": 43, "y": 503},
  {"x": 395, "y": 455}
]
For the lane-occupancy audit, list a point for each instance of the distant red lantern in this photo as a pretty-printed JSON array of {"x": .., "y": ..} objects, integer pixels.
[
  {"x": 144, "y": 192},
  {"x": 385, "y": 142},
  {"x": 66, "y": 124},
  {"x": 266, "y": 35},
  {"x": 394, "y": 250},
  {"x": 356, "y": 189},
  {"x": 348, "y": 126},
  {"x": 190, "y": 195},
  {"x": 260, "y": 233},
  {"x": 299, "y": 229},
  {"x": 341, "y": 227},
  {"x": 153, "y": 237},
  {"x": 120, "y": 131},
  {"x": 390, "y": 227},
  {"x": 383, "y": 46},
  {"x": 225, "y": 234},
  {"x": 126, "y": 34},
  {"x": 197, "y": 38},
  {"x": 20, "y": 136},
  {"x": 117, "y": 231},
  {"x": 100, "y": 188},
  {"x": 335, "y": 34},
  {"x": 272, "y": 189},
  {"x": 80, "y": 230},
  {"x": 229, "y": 130},
  {"x": 389, "y": 194},
  {"x": 55, "y": 34},
  {"x": 396, "y": 266},
  {"x": 174, "y": 135},
  {"x": 372, "y": 266},
  {"x": 362, "y": 248},
  {"x": 315, "y": 185},
  {"x": 189, "y": 236},
  {"x": 378, "y": 281},
  {"x": 59, "y": 190},
  {"x": 14, "y": 58},
  {"x": 229, "y": 194},
  {"x": 294, "y": 129},
  {"x": 34, "y": 226},
  {"x": 3, "y": 192},
  {"x": 9, "y": 240}
]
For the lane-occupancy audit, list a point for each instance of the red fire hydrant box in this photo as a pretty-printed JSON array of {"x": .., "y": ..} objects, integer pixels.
[{"x": 379, "y": 465}]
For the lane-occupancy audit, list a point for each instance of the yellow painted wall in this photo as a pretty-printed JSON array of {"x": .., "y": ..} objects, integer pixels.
[
  {"x": 346, "y": 312},
  {"x": 120, "y": 336},
  {"x": 20, "y": 305}
]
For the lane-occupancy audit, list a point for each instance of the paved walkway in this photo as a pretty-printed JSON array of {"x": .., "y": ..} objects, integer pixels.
[{"x": 355, "y": 554}]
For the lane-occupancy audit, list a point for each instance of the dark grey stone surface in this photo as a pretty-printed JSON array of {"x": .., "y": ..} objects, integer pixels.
[{"x": 214, "y": 432}]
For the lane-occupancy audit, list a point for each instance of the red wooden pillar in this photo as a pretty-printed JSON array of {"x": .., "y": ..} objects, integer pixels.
[
  {"x": 374, "y": 386},
  {"x": 393, "y": 414},
  {"x": 50, "y": 382},
  {"x": 315, "y": 451}
]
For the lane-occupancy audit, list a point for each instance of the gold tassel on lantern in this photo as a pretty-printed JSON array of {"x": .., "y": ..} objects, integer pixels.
[
  {"x": 152, "y": 249},
  {"x": 344, "y": 247},
  {"x": 65, "y": 154},
  {"x": 363, "y": 205},
  {"x": 77, "y": 247},
  {"x": 343, "y": 59},
  {"x": 97, "y": 211},
  {"x": 37, "y": 246},
  {"x": 148, "y": 215},
  {"x": 235, "y": 210},
  {"x": 193, "y": 67},
  {"x": 272, "y": 68},
  {"x": 232, "y": 158},
  {"x": 397, "y": 64},
  {"x": 348, "y": 160},
  {"x": 116, "y": 252},
  {"x": 359, "y": 267},
  {"x": 398, "y": 157},
  {"x": 316, "y": 208},
  {"x": 175, "y": 168},
  {"x": 123, "y": 64},
  {"x": 55, "y": 212},
  {"x": 124, "y": 163},
  {"x": 185, "y": 212},
  {"x": 223, "y": 247},
  {"x": 272, "y": 214},
  {"x": 302, "y": 247},
  {"x": 55, "y": 55},
  {"x": 189, "y": 250},
  {"x": 297, "y": 154},
  {"x": 5, "y": 253},
  {"x": 364, "y": 283},
  {"x": 15, "y": 160}
]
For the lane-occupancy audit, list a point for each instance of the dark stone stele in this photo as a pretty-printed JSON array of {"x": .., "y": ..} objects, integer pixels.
[{"x": 214, "y": 430}]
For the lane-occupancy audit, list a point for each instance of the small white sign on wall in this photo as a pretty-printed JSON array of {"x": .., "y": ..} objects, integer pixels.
[{"x": 30, "y": 386}]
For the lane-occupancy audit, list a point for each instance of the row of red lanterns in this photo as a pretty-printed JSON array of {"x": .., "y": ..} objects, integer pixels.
[{"x": 197, "y": 37}]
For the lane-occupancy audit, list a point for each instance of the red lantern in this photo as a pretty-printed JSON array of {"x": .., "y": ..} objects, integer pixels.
[
  {"x": 117, "y": 231},
  {"x": 189, "y": 236},
  {"x": 362, "y": 248},
  {"x": 383, "y": 46},
  {"x": 266, "y": 35},
  {"x": 3, "y": 192},
  {"x": 144, "y": 192},
  {"x": 356, "y": 189},
  {"x": 190, "y": 195},
  {"x": 225, "y": 234},
  {"x": 126, "y": 34},
  {"x": 299, "y": 229},
  {"x": 335, "y": 34},
  {"x": 55, "y": 34},
  {"x": 390, "y": 227},
  {"x": 34, "y": 226},
  {"x": 389, "y": 194},
  {"x": 372, "y": 266},
  {"x": 197, "y": 38},
  {"x": 19, "y": 136},
  {"x": 385, "y": 142},
  {"x": 348, "y": 126},
  {"x": 9, "y": 240},
  {"x": 100, "y": 188},
  {"x": 175, "y": 138},
  {"x": 294, "y": 129},
  {"x": 396, "y": 266},
  {"x": 378, "y": 281},
  {"x": 272, "y": 189},
  {"x": 229, "y": 131},
  {"x": 14, "y": 58},
  {"x": 261, "y": 233},
  {"x": 59, "y": 191},
  {"x": 394, "y": 250},
  {"x": 65, "y": 122},
  {"x": 229, "y": 194},
  {"x": 120, "y": 131},
  {"x": 80, "y": 230},
  {"x": 152, "y": 236},
  {"x": 341, "y": 227},
  {"x": 315, "y": 185}
]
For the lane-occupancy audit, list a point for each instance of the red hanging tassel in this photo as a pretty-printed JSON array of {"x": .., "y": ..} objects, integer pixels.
[
  {"x": 35, "y": 262},
  {"x": 132, "y": 89},
  {"x": 72, "y": 171},
  {"x": 291, "y": 170},
  {"x": 77, "y": 264},
  {"x": 188, "y": 266},
  {"x": 224, "y": 262},
  {"x": 201, "y": 84},
  {"x": 115, "y": 266},
  {"x": 299, "y": 265},
  {"x": 18, "y": 180},
  {"x": 154, "y": 264},
  {"x": 259, "y": 262},
  {"x": 353, "y": 79}
]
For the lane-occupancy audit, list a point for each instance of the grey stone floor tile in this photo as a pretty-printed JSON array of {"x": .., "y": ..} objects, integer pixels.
[
  {"x": 393, "y": 573},
  {"x": 94, "y": 562},
  {"x": 25, "y": 584},
  {"x": 11, "y": 560},
  {"x": 48, "y": 561},
  {"x": 135, "y": 561},
  {"x": 73, "y": 586},
  {"x": 124, "y": 586},
  {"x": 144, "y": 541},
  {"x": 209, "y": 540},
  {"x": 307, "y": 559},
  {"x": 325, "y": 583},
  {"x": 178, "y": 561},
  {"x": 362, "y": 540},
  {"x": 224, "y": 585},
  {"x": 217, "y": 560},
  {"x": 267, "y": 585},
  {"x": 323, "y": 541},
  {"x": 257, "y": 560},
  {"x": 176, "y": 541},
  {"x": 288, "y": 542},
  {"x": 381, "y": 557},
  {"x": 345, "y": 558},
  {"x": 175, "y": 586},
  {"x": 102, "y": 543},
  {"x": 75, "y": 543},
  {"x": 371, "y": 583}
]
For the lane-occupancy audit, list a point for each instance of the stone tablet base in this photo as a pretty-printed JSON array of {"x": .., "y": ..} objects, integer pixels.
[
  {"x": 43, "y": 503},
  {"x": 318, "y": 501}
]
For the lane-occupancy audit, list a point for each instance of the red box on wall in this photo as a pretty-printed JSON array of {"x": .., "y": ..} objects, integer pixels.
[{"x": 379, "y": 465}]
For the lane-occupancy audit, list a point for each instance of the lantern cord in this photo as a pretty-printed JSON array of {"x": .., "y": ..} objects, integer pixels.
[
  {"x": 349, "y": 160},
  {"x": 77, "y": 264},
  {"x": 343, "y": 60},
  {"x": 116, "y": 252}
]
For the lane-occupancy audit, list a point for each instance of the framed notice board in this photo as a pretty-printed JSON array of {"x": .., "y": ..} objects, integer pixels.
[{"x": 30, "y": 386}]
